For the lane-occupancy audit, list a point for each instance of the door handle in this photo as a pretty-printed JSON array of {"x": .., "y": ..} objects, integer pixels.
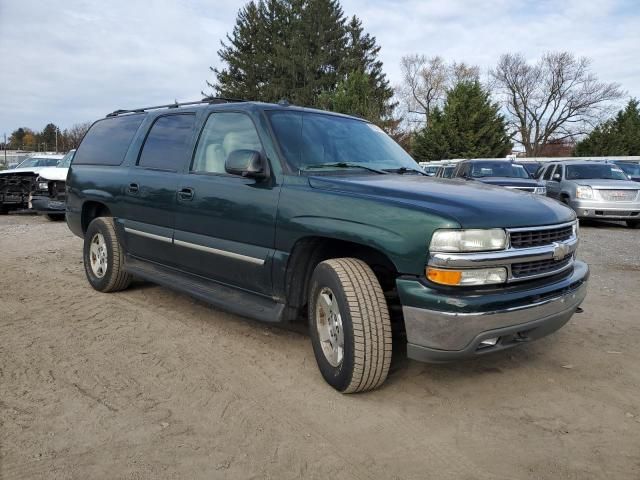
[
  {"x": 186, "y": 194},
  {"x": 133, "y": 188}
]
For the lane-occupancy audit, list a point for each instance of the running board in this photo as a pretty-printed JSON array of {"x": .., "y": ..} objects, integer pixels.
[{"x": 226, "y": 298}]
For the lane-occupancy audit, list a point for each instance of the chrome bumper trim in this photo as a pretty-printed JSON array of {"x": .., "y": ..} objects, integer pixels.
[{"x": 454, "y": 331}]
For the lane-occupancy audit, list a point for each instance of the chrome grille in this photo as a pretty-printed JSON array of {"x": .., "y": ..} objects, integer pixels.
[
  {"x": 540, "y": 237},
  {"x": 540, "y": 267},
  {"x": 618, "y": 195}
]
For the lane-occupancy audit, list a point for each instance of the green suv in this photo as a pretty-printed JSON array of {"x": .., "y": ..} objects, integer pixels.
[{"x": 281, "y": 213}]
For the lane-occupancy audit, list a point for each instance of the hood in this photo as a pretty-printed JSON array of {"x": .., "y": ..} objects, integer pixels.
[
  {"x": 509, "y": 181},
  {"x": 603, "y": 184},
  {"x": 471, "y": 204},
  {"x": 23, "y": 170},
  {"x": 54, "y": 173}
]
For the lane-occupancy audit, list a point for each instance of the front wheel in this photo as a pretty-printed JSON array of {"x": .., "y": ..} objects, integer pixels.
[
  {"x": 349, "y": 325},
  {"x": 104, "y": 257}
]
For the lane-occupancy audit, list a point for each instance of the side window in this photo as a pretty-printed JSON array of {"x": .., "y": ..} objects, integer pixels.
[
  {"x": 548, "y": 172},
  {"x": 167, "y": 144},
  {"x": 559, "y": 171},
  {"x": 224, "y": 133},
  {"x": 107, "y": 141}
]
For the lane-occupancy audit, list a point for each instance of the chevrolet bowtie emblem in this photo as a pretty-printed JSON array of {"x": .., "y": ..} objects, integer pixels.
[{"x": 560, "y": 251}]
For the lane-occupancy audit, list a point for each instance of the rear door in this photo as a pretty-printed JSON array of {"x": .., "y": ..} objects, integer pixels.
[
  {"x": 225, "y": 224},
  {"x": 150, "y": 190}
]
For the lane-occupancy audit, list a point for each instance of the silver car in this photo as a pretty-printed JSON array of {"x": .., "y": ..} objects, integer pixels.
[{"x": 594, "y": 190}]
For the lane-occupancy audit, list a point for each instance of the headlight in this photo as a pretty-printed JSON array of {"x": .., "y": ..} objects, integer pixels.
[
  {"x": 540, "y": 190},
  {"x": 468, "y": 240},
  {"x": 43, "y": 186},
  {"x": 586, "y": 193},
  {"x": 479, "y": 276}
]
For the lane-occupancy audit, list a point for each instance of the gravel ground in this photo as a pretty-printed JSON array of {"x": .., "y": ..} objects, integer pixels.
[{"x": 148, "y": 383}]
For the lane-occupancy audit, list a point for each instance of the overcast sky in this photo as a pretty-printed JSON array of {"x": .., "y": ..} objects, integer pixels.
[{"x": 75, "y": 60}]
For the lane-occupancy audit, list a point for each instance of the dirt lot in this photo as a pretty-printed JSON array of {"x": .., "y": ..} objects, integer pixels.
[{"x": 148, "y": 383}]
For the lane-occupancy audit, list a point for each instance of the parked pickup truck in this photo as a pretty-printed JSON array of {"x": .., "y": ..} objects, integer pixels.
[{"x": 282, "y": 213}]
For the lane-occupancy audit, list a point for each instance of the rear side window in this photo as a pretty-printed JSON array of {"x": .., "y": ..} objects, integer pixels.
[
  {"x": 107, "y": 141},
  {"x": 168, "y": 141}
]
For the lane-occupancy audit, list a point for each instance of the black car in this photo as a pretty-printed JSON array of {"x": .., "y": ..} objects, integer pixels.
[{"x": 503, "y": 173}]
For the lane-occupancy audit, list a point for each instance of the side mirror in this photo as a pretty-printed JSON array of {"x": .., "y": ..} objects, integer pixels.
[
  {"x": 556, "y": 177},
  {"x": 246, "y": 163}
]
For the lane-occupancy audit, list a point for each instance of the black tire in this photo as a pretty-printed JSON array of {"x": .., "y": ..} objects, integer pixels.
[
  {"x": 55, "y": 217},
  {"x": 114, "y": 277},
  {"x": 633, "y": 223},
  {"x": 365, "y": 325}
]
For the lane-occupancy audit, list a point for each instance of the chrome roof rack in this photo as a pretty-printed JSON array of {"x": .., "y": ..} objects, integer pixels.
[{"x": 206, "y": 100}]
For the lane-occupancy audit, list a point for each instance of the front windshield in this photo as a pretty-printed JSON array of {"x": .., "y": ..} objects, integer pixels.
[
  {"x": 498, "y": 169},
  {"x": 316, "y": 140},
  {"x": 38, "y": 162},
  {"x": 631, "y": 169},
  {"x": 604, "y": 171},
  {"x": 532, "y": 168},
  {"x": 66, "y": 160}
]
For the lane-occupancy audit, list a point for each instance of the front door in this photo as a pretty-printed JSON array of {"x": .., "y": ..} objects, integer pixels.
[
  {"x": 225, "y": 224},
  {"x": 150, "y": 191}
]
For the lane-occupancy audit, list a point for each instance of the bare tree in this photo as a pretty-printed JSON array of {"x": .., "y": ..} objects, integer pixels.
[
  {"x": 74, "y": 135},
  {"x": 557, "y": 98},
  {"x": 425, "y": 82}
]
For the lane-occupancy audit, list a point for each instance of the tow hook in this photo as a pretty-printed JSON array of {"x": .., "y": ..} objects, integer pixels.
[{"x": 579, "y": 310}]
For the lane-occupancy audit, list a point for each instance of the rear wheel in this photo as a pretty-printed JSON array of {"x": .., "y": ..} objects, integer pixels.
[
  {"x": 104, "y": 257},
  {"x": 633, "y": 223},
  {"x": 349, "y": 325}
]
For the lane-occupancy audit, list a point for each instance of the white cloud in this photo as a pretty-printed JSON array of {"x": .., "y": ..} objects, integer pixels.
[{"x": 75, "y": 61}]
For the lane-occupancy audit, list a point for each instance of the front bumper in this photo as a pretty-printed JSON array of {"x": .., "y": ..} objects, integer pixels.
[
  {"x": 608, "y": 210},
  {"x": 45, "y": 204},
  {"x": 443, "y": 327}
]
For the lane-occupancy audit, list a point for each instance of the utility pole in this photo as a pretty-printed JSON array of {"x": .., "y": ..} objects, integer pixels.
[
  {"x": 56, "y": 139},
  {"x": 5, "y": 150}
]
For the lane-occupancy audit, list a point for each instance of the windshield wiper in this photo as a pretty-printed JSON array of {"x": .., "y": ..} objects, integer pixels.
[
  {"x": 403, "y": 170},
  {"x": 342, "y": 165}
]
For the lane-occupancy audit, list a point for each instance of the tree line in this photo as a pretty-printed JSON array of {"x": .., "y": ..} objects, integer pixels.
[
  {"x": 310, "y": 53},
  {"x": 48, "y": 139}
]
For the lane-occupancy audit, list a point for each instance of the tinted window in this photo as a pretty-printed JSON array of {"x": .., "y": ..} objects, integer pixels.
[
  {"x": 167, "y": 144},
  {"x": 547, "y": 173},
  {"x": 560, "y": 170},
  {"x": 498, "y": 169},
  {"x": 107, "y": 141},
  {"x": 631, "y": 169},
  {"x": 222, "y": 134}
]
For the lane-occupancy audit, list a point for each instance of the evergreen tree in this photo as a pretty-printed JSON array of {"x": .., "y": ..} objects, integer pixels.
[
  {"x": 301, "y": 50},
  {"x": 468, "y": 126},
  {"x": 616, "y": 136}
]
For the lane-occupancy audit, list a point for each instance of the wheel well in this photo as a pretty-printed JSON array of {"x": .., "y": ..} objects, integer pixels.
[
  {"x": 91, "y": 210},
  {"x": 310, "y": 251}
]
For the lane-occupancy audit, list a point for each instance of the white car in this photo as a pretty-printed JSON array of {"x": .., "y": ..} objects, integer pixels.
[
  {"x": 17, "y": 184},
  {"x": 48, "y": 195}
]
